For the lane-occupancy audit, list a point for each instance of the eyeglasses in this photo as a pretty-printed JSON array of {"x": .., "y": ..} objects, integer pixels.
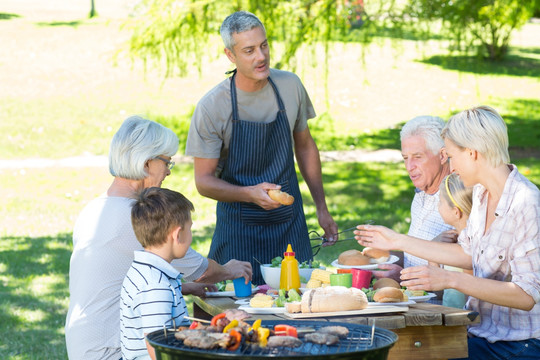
[{"x": 169, "y": 163}]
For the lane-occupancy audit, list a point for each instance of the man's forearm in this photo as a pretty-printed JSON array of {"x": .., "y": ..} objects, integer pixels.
[
  {"x": 214, "y": 273},
  {"x": 220, "y": 190},
  {"x": 309, "y": 164}
]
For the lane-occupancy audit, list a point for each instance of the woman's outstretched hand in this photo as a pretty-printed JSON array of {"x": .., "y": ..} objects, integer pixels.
[{"x": 375, "y": 236}]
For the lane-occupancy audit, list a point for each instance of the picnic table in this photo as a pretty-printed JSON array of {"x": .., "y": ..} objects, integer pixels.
[{"x": 425, "y": 330}]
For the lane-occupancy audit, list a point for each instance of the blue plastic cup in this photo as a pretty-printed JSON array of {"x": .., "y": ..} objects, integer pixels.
[{"x": 241, "y": 289}]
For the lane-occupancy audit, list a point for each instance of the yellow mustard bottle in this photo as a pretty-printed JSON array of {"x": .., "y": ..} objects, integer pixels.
[{"x": 290, "y": 277}]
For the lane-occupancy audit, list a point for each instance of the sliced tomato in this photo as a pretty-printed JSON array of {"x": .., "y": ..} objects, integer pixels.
[
  {"x": 193, "y": 325},
  {"x": 287, "y": 330}
]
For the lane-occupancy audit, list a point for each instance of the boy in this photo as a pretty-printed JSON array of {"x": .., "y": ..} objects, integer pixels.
[{"x": 151, "y": 293}]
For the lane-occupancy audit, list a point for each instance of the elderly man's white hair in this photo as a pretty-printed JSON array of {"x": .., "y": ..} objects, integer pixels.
[{"x": 429, "y": 128}]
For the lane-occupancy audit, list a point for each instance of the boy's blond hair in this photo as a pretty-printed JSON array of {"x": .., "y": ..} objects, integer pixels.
[{"x": 156, "y": 212}]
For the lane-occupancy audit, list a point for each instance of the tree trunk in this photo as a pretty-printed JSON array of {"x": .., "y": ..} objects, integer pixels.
[{"x": 93, "y": 12}]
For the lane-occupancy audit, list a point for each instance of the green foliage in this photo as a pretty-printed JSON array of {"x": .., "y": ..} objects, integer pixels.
[
  {"x": 485, "y": 26},
  {"x": 34, "y": 296},
  {"x": 178, "y": 124},
  {"x": 327, "y": 137},
  {"x": 177, "y": 34}
]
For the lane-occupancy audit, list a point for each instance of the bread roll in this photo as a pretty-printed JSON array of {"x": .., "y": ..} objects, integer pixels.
[
  {"x": 353, "y": 257},
  {"x": 293, "y": 307},
  {"x": 378, "y": 255},
  {"x": 333, "y": 298},
  {"x": 281, "y": 197},
  {"x": 388, "y": 295},
  {"x": 386, "y": 282}
]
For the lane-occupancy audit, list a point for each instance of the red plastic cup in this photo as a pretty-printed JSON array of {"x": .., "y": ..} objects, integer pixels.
[{"x": 361, "y": 278}]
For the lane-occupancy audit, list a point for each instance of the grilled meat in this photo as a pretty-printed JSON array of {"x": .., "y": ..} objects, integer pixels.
[
  {"x": 283, "y": 341},
  {"x": 232, "y": 314},
  {"x": 182, "y": 335},
  {"x": 322, "y": 339},
  {"x": 208, "y": 340},
  {"x": 340, "y": 331}
]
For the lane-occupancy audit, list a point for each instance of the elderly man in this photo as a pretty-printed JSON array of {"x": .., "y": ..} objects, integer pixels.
[
  {"x": 426, "y": 162},
  {"x": 244, "y": 135}
]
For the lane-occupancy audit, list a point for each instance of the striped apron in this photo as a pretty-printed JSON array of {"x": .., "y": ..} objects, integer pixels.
[{"x": 260, "y": 152}]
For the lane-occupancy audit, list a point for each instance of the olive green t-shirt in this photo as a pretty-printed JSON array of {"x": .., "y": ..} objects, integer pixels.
[{"x": 211, "y": 125}]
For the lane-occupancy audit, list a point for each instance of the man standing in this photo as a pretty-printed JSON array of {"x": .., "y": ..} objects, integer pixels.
[{"x": 242, "y": 138}]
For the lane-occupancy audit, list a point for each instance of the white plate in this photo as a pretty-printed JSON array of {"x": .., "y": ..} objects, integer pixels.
[
  {"x": 423, "y": 298},
  {"x": 270, "y": 310},
  {"x": 227, "y": 293},
  {"x": 403, "y": 303},
  {"x": 393, "y": 259}
]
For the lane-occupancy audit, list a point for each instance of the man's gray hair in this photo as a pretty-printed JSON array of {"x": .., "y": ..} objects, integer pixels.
[
  {"x": 429, "y": 128},
  {"x": 137, "y": 141},
  {"x": 238, "y": 22}
]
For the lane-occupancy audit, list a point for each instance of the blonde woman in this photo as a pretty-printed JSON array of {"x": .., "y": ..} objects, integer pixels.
[{"x": 501, "y": 242}]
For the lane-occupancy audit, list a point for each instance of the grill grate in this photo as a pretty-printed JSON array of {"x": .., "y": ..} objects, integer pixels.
[{"x": 361, "y": 338}]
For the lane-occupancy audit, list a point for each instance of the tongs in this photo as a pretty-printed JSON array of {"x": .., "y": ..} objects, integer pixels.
[{"x": 317, "y": 248}]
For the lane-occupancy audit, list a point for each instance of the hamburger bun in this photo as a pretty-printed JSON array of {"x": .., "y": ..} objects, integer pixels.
[
  {"x": 281, "y": 197},
  {"x": 333, "y": 298},
  {"x": 386, "y": 282},
  {"x": 388, "y": 295},
  {"x": 378, "y": 255},
  {"x": 353, "y": 257}
]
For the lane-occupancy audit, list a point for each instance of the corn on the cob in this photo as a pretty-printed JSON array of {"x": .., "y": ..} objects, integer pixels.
[
  {"x": 321, "y": 275},
  {"x": 261, "y": 301},
  {"x": 313, "y": 284}
]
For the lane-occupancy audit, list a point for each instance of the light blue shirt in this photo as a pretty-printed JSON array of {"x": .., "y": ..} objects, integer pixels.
[
  {"x": 151, "y": 297},
  {"x": 426, "y": 222}
]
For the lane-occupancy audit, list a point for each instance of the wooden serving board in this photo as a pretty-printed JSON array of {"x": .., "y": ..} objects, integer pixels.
[{"x": 369, "y": 310}]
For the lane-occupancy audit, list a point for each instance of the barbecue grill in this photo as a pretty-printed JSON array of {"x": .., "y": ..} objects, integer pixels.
[{"x": 361, "y": 343}]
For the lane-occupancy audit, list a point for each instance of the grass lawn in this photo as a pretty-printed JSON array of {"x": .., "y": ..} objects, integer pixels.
[{"x": 62, "y": 95}]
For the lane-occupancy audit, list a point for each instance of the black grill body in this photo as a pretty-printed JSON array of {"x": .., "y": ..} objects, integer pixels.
[{"x": 357, "y": 345}]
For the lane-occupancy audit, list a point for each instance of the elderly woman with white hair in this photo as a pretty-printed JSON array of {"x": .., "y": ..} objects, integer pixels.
[
  {"x": 104, "y": 242},
  {"x": 501, "y": 242}
]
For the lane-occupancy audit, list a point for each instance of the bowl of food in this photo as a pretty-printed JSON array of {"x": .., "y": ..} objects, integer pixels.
[{"x": 271, "y": 273}]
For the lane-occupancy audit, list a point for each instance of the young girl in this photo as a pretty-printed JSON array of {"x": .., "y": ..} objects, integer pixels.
[{"x": 455, "y": 202}]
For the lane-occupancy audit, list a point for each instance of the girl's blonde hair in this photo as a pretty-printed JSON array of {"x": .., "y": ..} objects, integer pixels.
[{"x": 456, "y": 194}]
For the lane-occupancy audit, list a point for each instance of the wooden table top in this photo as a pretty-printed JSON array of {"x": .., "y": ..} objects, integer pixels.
[{"x": 420, "y": 314}]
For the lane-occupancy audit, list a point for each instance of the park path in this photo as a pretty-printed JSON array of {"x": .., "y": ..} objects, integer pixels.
[{"x": 384, "y": 155}]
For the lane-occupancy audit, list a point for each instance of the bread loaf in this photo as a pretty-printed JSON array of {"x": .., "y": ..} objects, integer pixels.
[
  {"x": 386, "y": 282},
  {"x": 379, "y": 256},
  {"x": 353, "y": 257},
  {"x": 333, "y": 298},
  {"x": 388, "y": 295},
  {"x": 281, "y": 197}
]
